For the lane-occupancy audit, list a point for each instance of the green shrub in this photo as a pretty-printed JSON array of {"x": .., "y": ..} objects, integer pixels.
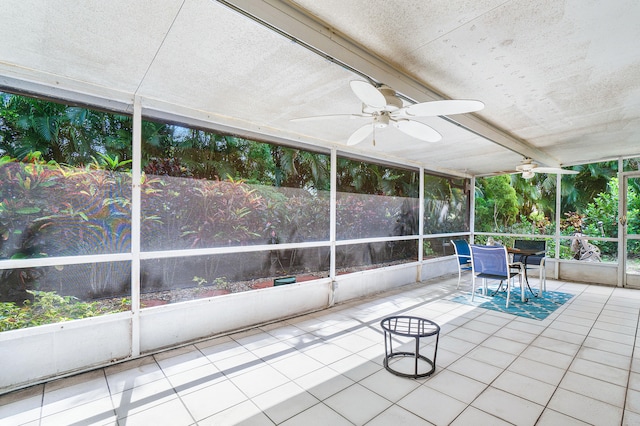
[{"x": 49, "y": 307}]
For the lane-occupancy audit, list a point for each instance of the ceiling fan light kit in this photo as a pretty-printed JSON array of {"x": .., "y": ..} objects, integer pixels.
[
  {"x": 384, "y": 108},
  {"x": 381, "y": 120}
]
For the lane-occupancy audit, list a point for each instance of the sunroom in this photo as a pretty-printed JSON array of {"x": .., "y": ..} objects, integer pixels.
[{"x": 186, "y": 169}]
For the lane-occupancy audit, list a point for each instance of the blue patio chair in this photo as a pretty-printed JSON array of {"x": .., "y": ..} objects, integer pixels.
[
  {"x": 492, "y": 263},
  {"x": 463, "y": 253},
  {"x": 532, "y": 261}
]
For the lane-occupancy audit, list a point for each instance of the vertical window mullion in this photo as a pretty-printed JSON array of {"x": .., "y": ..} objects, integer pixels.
[
  {"x": 136, "y": 176},
  {"x": 421, "y": 221},
  {"x": 332, "y": 219},
  {"x": 556, "y": 271},
  {"x": 472, "y": 209}
]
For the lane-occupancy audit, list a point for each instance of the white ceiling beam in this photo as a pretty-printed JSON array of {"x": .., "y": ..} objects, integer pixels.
[
  {"x": 306, "y": 29},
  {"x": 36, "y": 83}
]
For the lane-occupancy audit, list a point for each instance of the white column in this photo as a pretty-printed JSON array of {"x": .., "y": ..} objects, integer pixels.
[
  {"x": 332, "y": 224},
  {"x": 472, "y": 209},
  {"x": 622, "y": 210},
  {"x": 136, "y": 177},
  {"x": 556, "y": 268},
  {"x": 420, "y": 224}
]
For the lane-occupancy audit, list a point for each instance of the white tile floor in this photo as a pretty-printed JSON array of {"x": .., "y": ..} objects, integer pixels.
[{"x": 579, "y": 366}]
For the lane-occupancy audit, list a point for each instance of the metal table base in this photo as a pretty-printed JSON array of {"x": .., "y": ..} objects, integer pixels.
[{"x": 416, "y": 328}]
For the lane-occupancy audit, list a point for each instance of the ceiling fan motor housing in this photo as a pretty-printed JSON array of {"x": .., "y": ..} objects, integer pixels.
[{"x": 393, "y": 102}]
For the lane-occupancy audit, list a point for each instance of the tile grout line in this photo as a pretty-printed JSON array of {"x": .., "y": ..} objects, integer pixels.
[
  {"x": 576, "y": 356},
  {"x": 566, "y": 370},
  {"x": 583, "y": 303},
  {"x": 173, "y": 388},
  {"x": 545, "y": 407},
  {"x": 469, "y": 405},
  {"x": 633, "y": 350}
]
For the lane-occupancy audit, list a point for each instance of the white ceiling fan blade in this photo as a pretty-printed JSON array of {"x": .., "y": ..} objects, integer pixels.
[
  {"x": 417, "y": 130},
  {"x": 331, "y": 117},
  {"x": 368, "y": 94},
  {"x": 449, "y": 107},
  {"x": 360, "y": 134},
  {"x": 555, "y": 171}
]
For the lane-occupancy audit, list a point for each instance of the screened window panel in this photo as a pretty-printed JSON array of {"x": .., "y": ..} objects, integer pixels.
[
  {"x": 178, "y": 279},
  {"x": 357, "y": 257},
  {"x": 446, "y": 205},
  {"x": 203, "y": 190}
]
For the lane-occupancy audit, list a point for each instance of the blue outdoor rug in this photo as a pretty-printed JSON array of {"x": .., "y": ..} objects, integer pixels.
[{"x": 537, "y": 308}]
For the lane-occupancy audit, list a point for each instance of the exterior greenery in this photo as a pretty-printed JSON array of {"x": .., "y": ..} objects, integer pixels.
[
  {"x": 49, "y": 307},
  {"x": 66, "y": 191},
  {"x": 510, "y": 204}
]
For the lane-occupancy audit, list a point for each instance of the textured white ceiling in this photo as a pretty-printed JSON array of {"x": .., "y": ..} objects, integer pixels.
[{"x": 559, "y": 78}]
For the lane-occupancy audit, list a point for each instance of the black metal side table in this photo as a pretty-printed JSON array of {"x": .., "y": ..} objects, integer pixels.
[{"x": 413, "y": 327}]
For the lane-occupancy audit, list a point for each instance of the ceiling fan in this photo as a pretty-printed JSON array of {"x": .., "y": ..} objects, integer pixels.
[
  {"x": 528, "y": 169},
  {"x": 382, "y": 107}
]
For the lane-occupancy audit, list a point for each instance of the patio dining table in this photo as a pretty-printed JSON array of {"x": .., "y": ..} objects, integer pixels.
[{"x": 525, "y": 254}]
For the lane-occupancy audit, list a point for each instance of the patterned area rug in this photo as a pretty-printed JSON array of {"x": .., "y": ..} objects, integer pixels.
[{"x": 537, "y": 308}]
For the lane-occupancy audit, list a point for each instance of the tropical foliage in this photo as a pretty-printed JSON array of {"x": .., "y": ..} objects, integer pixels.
[
  {"x": 589, "y": 204},
  {"x": 603, "y": 211},
  {"x": 496, "y": 204},
  {"x": 446, "y": 205},
  {"x": 66, "y": 191},
  {"x": 65, "y": 174},
  {"x": 49, "y": 307},
  {"x": 66, "y": 134}
]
